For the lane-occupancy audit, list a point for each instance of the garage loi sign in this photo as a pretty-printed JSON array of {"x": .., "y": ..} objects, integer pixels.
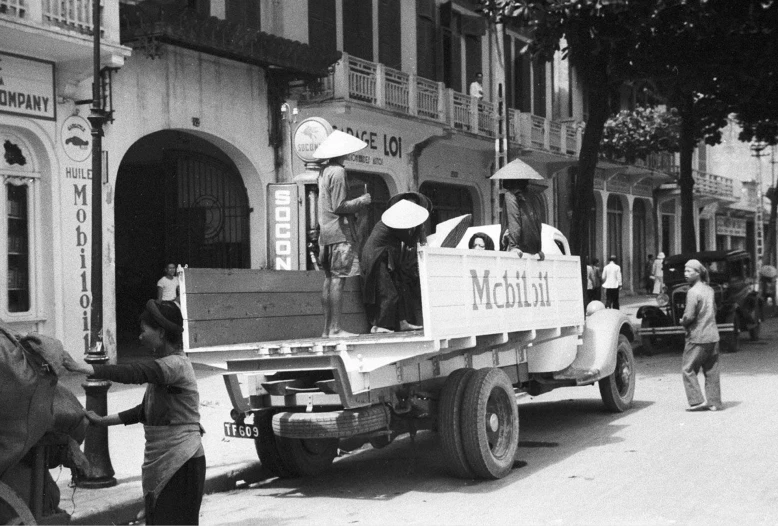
[{"x": 27, "y": 87}]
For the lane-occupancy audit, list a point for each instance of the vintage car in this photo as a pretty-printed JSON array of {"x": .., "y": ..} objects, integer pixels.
[{"x": 738, "y": 304}]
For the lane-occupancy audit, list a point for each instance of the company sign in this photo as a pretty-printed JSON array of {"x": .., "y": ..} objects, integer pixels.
[
  {"x": 730, "y": 226},
  {"x": 282, "y": 227},
  {"x": 308, "y": 136},
  {"x": 76, "y": 137},
  {"x": 27, "y": 87}
]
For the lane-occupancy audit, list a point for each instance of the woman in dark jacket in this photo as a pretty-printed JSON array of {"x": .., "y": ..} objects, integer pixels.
[{"x": 385, "y": 269}]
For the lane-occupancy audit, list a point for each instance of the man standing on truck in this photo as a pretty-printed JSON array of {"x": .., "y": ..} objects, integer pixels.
[
  {"x": 520, "y": 222},
  {"x": 338, "y": 238},
  {"x": 702, "y": 340}
]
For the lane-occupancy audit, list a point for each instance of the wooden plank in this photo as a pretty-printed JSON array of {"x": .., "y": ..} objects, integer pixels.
[
  {"x": 209, "y": 333},
  {"x": 225, "y": 306},
  {"x": 204, "y": 280}
]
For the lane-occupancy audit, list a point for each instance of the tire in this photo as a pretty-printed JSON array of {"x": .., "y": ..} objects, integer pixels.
[
  {"x": 490, "y": 424},
  {"x": 449, "y": 422},
  {"x": 754, "y": 333},
  {"x": 618, "y": 389},
  {"x": 267, "y": 446},
  {"x": 732, "y": 340},
  {"x": 334, "y": 424},
  {"x": 649, "y": 343},
  {"x": 307, "y": 457}
]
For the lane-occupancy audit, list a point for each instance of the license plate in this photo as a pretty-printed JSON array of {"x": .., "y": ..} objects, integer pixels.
[{"x": 231, "y": 429}]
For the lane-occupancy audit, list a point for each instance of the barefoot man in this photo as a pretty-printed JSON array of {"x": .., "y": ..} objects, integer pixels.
[{"x": 337, "y": 222}]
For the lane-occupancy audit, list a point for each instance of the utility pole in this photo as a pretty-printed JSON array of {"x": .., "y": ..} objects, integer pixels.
[
  {"x": 96, "y": 441},
  {"x": 758, "y": 149}
]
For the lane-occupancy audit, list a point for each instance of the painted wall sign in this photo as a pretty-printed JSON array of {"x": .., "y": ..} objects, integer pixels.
[
  {"x": 381, "y": 146},
  {"x": 27, "y": 87},
  {"x": 282, "y": 227},
  {"x": 730, "y": 226},
  {"x": 308, "y": 136},
  {"x": 76, "y": 137}
]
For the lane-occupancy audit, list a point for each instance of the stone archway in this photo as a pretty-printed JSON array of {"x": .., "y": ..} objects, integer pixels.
[{"x": 179, "y": 199}]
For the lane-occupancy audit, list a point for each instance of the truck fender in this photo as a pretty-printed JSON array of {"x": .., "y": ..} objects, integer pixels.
[
  {"x": 649, "y": 311},
  {"x": 600, "y": 340}
]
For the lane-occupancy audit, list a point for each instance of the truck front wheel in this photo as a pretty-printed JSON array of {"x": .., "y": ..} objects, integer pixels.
[
  {"x": 618, "y": 389},
  {"x": 490, "y": 423}
]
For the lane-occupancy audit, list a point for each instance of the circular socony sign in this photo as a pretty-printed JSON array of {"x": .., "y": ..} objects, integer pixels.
[
  {"x": 308, "y": 136},
  {"x": 76, "y": 138}
]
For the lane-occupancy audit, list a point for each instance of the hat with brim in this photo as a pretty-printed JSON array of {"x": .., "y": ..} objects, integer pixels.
[
  {"x": 404, "y": 214},
  {"x": 518, "y": 169},
  {"x": 338, "y": 144}
]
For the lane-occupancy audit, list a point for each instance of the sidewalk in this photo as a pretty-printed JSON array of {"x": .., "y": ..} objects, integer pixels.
[{"x": 229, "y": 460}]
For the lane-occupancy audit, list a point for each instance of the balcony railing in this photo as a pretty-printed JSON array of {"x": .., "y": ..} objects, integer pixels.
[
  {"x": 713, "y": 185},
  {"x": 74, "y": 15},
  {"x": 375, "y": 84}
]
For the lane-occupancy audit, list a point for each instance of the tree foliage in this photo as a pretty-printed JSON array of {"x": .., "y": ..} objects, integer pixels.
[{"x": 636, "y": 134}]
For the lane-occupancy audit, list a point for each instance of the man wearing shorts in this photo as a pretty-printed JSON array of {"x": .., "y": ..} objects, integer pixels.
[{"x": 338, "y": 241}]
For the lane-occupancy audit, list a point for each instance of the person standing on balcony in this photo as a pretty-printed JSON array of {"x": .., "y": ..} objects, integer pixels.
[
  {"x": 476, "y": 87},
  {"x": 338, "y": 237},
  {"x": 611, "y": 282},
  {"x": 702, "y": 340}
]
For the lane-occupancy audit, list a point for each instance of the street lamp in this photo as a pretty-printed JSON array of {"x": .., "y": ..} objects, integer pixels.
[{"x": 96, "y": 440}]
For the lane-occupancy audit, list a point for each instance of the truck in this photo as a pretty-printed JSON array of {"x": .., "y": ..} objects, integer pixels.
[{"x": 496, "y": 326}]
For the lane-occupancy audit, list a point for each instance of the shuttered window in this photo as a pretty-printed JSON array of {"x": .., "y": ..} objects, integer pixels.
[
  {"x": 426, "y": 63},
  {"x": 358, "y": 28},
  {"x": 389, "y": 34},
  {"x": 322, "y": 25},
  {"x": 244, "y": 12}
]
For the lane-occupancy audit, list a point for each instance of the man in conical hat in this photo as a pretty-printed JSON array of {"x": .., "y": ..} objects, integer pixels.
[
  {"x": 338, "y": 237},
  {"x": 521, "y": 225},
  {"x": 384, "y": 284}
]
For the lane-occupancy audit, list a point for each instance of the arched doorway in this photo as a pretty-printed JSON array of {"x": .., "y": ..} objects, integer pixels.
[{"x": 179, "y": 199}]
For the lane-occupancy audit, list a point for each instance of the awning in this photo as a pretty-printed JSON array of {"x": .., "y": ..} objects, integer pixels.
[{"x": 153, "y": 21}]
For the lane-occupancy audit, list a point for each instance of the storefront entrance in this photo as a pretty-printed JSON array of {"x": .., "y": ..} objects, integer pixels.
[{"x": 179, "y": 200}]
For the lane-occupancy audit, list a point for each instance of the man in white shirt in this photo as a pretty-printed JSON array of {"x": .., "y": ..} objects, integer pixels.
[
  {"x": 476, "y": 87},
  {"x": 611, "y": 282},
  {"x": 168, "y": 286}
]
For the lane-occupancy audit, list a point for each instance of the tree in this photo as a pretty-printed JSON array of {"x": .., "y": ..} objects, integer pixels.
[{"x": 635, "y": 134}]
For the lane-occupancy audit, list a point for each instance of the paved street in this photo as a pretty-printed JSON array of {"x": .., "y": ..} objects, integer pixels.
[{"x": 656, "y": 464}]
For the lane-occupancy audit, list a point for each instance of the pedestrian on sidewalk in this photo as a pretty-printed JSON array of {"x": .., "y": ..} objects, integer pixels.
[
  {"x": 611, "y": 282},
  {"x": 168, "y": 286},
  {"x": 658, "y": 273},
  {"x": 597, "y": 294},
  {"x": 591, "y": 281},
  {"x": 173, "y": 471},
  {"x": 702, "y": 340}
]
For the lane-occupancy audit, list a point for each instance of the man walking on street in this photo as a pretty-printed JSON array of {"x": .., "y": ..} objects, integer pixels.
[
  {"x": 611, "y": 282},
  {"x": 702, "y": 340}
]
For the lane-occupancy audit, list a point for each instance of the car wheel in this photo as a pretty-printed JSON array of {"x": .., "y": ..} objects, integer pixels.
[
  {"x": 267, "y": 446},
  {"x": 618, "y": 389},
  {"x": 754, "y": 331}
]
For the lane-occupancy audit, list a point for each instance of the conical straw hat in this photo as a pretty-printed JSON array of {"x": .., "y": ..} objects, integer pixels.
[
  {"x": 404, "y": 214},
  {"x": 338, "y": 143},
  {"x": 517, "y": 169}
]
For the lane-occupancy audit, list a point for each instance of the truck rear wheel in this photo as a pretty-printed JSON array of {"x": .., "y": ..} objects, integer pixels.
[
  {"x": 267, "y": 446},
  {"x": 490, "y": 423},
  {"x": 305, "y": 456},
  {"x": 618, "y": 389},
  {"x": 450, "y": 423}
]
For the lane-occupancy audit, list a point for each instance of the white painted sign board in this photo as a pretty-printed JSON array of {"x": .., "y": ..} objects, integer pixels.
[
  {"x": 27, "y": 87},
  {"x": 474, "y": 292}
]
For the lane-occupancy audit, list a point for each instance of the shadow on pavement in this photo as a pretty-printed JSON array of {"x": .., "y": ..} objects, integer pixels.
[{"x": 550, "y": 432}]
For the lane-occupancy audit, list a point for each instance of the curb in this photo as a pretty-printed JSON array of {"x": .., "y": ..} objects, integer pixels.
[{"x": 126, "y": 511}]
